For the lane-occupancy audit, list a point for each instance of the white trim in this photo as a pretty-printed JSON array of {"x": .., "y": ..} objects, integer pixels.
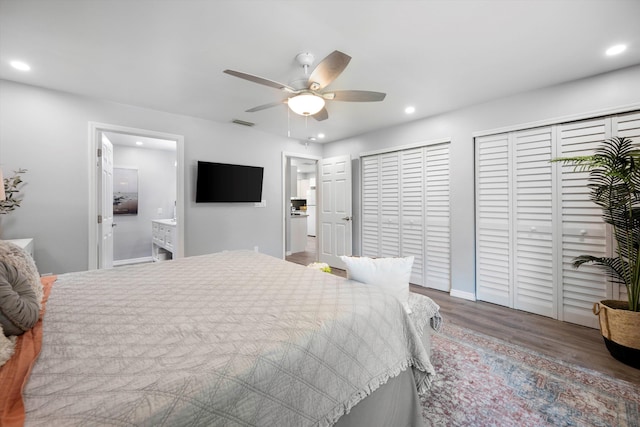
[
  {"x": 561, "y": 119},
  {"x": 94, "y": 142},
  {"x": 462, "y": 294},
  {"x": 406, "y": 146},
  {"x": 284, "y": 203},
  {"x": 130, "y": 261}
]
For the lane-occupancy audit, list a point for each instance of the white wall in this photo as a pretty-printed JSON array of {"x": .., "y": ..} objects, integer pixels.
[
  {"x": 156, "y": 190},
  {"x": 588, "y": 95},
  {"x": 47, "y": 132}
]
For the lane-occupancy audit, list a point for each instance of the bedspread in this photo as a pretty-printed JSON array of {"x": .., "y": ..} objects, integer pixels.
[{"x": 230, "y": 339}]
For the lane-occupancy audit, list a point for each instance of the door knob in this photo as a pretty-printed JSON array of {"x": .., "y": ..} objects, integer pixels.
[{"x": 347, "y": 218}]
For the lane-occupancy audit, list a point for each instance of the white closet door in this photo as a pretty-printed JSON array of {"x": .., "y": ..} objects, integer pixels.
[
  {"x": 493, "y": 207},
  {"x": 412, "y": 204},
  {"x": 534, "y": 290},
  {"x": 437, "y": 212},
  {"x": 628, "y": 126},
  {"x": 389, "y": 205},
  {"x": 371, "y": 206},
  {"x": 583, "y": 230}
]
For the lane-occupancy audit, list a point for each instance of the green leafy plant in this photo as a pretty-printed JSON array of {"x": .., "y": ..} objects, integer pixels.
[
  {"x": 12, "y": 188},
  {"x": 614, "y": 184},
  {"x": 322, "y": 266}
]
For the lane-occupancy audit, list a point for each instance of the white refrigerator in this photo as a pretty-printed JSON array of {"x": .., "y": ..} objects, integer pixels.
[{"x": 311, "y": 211}]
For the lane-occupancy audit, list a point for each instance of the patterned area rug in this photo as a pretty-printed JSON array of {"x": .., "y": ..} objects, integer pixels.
[{"x": 482, "y": 381}]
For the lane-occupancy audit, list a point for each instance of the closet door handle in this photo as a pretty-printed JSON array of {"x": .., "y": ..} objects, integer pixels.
[{"x": 347, "y": 218}]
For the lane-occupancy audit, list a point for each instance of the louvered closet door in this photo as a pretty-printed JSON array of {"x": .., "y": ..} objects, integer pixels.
[
  {"x": 371, "y": 206},
  {"x": 534, "y": 287},
  {"x": 412, "y": 204},
  {"x": 628, "y": 126},
  {"x": 583, "y": 231},
  {"x": 437, "y": 212},
  {"x": 389, "y": 205},
  {"x": 493, "y": 239}
]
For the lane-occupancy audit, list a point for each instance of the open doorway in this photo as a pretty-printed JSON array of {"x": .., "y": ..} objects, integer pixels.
[
  {"x": 137, "y": 182},
  {"x": 144, "y": 198},
  {"x": 300, "y": 210}
]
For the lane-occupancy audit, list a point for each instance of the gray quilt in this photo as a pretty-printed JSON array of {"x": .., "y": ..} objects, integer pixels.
[{"x": 230, "y": 339}]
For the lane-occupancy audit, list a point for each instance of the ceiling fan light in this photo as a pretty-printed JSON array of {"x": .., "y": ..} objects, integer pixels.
[{"x": 306, "y": 104}]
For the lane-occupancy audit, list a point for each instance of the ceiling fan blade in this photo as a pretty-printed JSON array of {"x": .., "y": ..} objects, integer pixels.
[
  {"x": 261, "y": 80},
  {"x": 265, "y": 106},
  {"x": 355, "y": 96},
  {"x": 328, "y": 70},
  {"x": 321, "y": 115}
]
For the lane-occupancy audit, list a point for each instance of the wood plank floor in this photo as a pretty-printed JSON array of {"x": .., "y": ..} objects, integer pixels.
[
  {"x": 565, "y": 341},
  {"x": 562, "y": 340}
]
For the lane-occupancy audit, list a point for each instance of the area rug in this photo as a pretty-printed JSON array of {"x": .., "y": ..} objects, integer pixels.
[{"x": 483, "y": 381}]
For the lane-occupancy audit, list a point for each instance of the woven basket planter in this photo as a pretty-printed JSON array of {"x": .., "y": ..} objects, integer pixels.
[{"x": 620, "y": 329}]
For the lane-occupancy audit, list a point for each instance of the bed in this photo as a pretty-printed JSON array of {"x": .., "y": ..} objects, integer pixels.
[{"x": 235, "y": 338}]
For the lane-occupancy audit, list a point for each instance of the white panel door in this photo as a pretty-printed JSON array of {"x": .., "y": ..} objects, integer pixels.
[
  {"x": 105, "y": 187},
  {"x": 412, "y": 211},
  {"x": 583, "y": 230},
  {"x": 535, "y": 290},
  {"x": 437, "y": 236},
  {"x": 370, "y": 206},
  {"x": 493, "y": 216},
  {"x": 628, "y": 126},
  {"x": 389, "y": 205},
  {"x": 335, "y": 211}
]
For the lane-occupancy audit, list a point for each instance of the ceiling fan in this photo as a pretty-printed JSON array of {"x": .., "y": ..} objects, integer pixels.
[{"x": 310, "y": 99}]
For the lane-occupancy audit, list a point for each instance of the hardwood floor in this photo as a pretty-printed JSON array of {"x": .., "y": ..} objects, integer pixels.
[
  {"x": 306, "y": 257},
  {"x": 565, "y": 341}
]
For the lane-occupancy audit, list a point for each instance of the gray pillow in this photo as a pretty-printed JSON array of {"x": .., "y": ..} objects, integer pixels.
[
  {"x": 19, "y": 308},
  {"x": 14, "y": 255}
]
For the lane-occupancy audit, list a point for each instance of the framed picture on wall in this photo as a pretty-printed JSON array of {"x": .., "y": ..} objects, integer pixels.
[{"x": 125, "y": 191}]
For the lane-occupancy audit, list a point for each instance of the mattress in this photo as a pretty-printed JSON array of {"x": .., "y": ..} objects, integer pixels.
[{"x": 230, "y": 339}]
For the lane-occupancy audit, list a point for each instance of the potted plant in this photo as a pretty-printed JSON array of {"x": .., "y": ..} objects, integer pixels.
[
  {"x": 614, "y": 183},
  {"x": 11, "y": 190}
]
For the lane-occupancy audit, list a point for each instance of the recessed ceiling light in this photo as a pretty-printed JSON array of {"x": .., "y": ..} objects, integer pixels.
[
  {"x": 410, "y": 110},
  {"x": 19, "y": 65},
  {"x": 139, "y": 143},
  {"x": 615, "y": 50},
  {"x": 321, "y": 135}
]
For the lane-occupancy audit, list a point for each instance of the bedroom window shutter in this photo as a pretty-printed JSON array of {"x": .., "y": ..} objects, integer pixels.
[
  {"x": 412, "y": 204},
  {"x": 535, "y": 288},
  {"x": 534, "y": 217},
  {"x": 389, "y": 205},
  {"x": 628, "y": 126},
  {"x": 583, "y": 230},
  {"x": 371, "y": 206},
  {"x": 405, "y": 210},
  {"x": 437, "y": 212},
  {"x": 493, "y": 220}
]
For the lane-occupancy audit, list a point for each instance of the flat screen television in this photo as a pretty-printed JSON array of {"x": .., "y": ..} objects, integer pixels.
[{"x": 225, "y": 183}]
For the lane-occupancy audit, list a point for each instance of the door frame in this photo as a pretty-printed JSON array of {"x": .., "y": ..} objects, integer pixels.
[
  {"x": 95, "y": 130},
  {"x": 284, "y": 202}
]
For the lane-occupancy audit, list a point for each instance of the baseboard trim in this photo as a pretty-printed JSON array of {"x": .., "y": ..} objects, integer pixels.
[
  {"x": 122, "y": 262},
  {"x": 462, "y": 294}
]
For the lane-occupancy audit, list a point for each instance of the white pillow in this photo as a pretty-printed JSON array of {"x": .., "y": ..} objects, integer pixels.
[{"x": 392, "y": 274}]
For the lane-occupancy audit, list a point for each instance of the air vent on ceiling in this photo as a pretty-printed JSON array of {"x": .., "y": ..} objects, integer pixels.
[{"x": 242, "y": 122}]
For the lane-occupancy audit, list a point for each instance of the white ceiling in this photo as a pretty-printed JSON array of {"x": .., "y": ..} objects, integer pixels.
[
  {"x": 140, "y": 141},
  {"x": 437, "y": 55}
]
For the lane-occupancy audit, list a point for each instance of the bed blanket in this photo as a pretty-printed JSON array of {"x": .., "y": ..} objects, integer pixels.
[{"x": 230, "y": 339}]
